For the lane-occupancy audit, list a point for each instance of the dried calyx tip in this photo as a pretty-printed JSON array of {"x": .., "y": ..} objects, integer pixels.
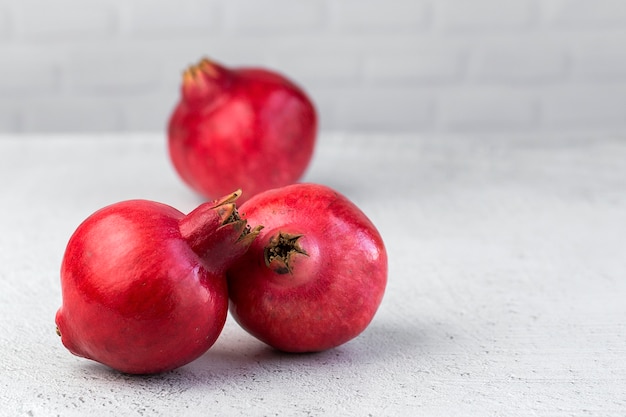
[
  {"x": 190, "y": 74},
  {"x": 205, "y": 66},
  {"x": 230, "y": 198},
  {"x": 227, "y": 208}
]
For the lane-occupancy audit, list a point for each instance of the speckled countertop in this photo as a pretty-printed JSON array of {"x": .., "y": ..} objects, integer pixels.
[{"x": 506, "y": 294}]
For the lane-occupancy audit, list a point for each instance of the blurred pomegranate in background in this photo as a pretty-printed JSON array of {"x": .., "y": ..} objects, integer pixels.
[{"x": 240, "y": 128}]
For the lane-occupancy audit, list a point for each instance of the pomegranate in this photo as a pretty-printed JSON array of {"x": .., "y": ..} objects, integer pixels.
[
  {"x": 143, "y": 285},
  {"x": 315, "y": 276},
  {"x": 247, "y": 128}
]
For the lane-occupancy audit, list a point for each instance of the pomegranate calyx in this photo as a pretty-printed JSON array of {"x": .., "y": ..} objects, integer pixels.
[
  {"x": 214, "y": 230},
  {"x": 227, "y": 210},
  {"x": 196, "y": 226},
  {"x": 205, "y": 70},
  {"x": 227, "y": 213},
  {"x": 204, "y": 80},
  {"x": 279, "y": 251},
  {"x": 209, "y": 68}
]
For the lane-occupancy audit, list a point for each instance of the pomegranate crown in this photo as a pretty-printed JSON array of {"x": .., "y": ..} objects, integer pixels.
[
  {"x": 204, "y": 80},
  {"x": 215, "y": 230}
]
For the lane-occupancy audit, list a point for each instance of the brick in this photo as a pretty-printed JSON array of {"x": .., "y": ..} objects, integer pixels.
[
  {"x": 166, "y": 18},
  {"x": 388, "y": 109},
  {"x": 273, "y": 17},
  {"x": 5, "y": 23},
  {"x": 600, "y": 62},
  {"x": 8, "y": 117},
  {"x": 149, "y": 112},
  {"x": 578, "y": 14},
  {"x": 440, "y": 65},
  {"x": 368, "y": 15},
  {"x": 316, "y": 67},
  {"x": 28, "y": 71},
  {"x": 519, "y": 62},
  {"x": 69, "y": 115},
  {"x": 590, "y": 106},
  {"x": 113, "y": 70},
  {"x": 486, "y": 15},
  {"x": 324, "y": 100},
  {"x": 480, "y": 108},
  {"x": 64, "y": 20}
]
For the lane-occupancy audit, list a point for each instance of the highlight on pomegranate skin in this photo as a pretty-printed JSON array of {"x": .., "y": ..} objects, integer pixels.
[
  {"x": 248, "y": 128},
  {"x": 316, "y": 274},
  {"x": 143, "y": 285}
]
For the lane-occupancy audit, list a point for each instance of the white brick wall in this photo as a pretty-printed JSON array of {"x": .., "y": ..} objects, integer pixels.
[
  {"x": 486, "y": 15},
  {"x": 63, "y": 20},
  {"x": 400, "y": 65},
  {"x": 376, "y": 16}
]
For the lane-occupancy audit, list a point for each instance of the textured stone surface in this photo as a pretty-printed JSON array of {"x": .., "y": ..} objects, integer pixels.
[{"x": 505, "y": 297}]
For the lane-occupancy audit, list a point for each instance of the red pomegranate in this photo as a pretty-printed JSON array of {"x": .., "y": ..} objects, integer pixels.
[
  {"x": 143, "y": 285},
  {"x": 240, "y": 128},
  {"x": 316, "y": 274}
]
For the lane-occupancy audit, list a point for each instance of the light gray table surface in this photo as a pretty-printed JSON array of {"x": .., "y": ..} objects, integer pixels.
[{"x": 506, "y": 293}]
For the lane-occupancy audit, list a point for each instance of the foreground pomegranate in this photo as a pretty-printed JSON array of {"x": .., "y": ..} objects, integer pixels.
[
  {"x": 246, "y": 128},
  {"x": 316, "y": 274},
  {"x": 143, "y": 285}
]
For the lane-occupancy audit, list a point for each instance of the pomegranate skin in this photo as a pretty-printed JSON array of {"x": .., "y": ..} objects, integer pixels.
[
  {"x": 141, "y": 294},
  {"x": 248, "y": 128},
  {"x": 321, "y": 283}
]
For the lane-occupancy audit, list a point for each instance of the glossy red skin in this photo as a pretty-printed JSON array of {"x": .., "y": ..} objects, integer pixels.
[
  {"x": 135, "y": 295},
  {"x": 250, "y": 128},
  {"x": 331, "y": 295}
]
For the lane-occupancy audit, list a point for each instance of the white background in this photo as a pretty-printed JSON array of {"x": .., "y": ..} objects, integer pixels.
[{"x": 370, "y": 65}]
